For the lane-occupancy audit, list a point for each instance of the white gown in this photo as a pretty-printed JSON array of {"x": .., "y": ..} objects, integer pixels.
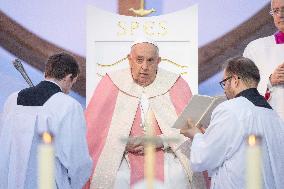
[
  {"x": 20, "y": 135},
  {"x": 267, "y": 55},
  {"x": 221, "y": 150}
]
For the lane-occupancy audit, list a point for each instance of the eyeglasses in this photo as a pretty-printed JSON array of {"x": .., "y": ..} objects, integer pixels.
[
  {"x": 276, "y": 11},
  {"x": 222, "y": 83}
]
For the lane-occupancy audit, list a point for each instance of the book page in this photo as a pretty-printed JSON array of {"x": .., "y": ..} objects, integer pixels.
[{"x": 199, "y": 110}]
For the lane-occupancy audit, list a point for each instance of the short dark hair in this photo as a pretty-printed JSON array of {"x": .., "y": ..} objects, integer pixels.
[
  {"x": 60, "y": 65},
  {"x": 244, "y": 68}
]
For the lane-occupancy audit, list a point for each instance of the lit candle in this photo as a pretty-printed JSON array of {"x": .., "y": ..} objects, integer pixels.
[
  {"x": 149, "y": 151},
  {"x": 253, "y": 163},
  {"x": 46, "y": 178}
]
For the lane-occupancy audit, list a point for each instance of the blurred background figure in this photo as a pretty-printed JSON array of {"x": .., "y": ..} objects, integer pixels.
[{"x": 268, "y": 55}]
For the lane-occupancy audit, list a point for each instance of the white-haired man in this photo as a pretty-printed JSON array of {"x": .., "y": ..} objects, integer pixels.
[
  {"x": 117, "y": 110},
  {"x": 268, "y": 55}
]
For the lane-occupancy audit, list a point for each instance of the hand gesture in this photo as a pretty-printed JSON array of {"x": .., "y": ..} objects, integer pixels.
[
  {"x": 191, "y": 131},
  {"x": 137, "y": 144},
  {"x": 277, "y": 77}
]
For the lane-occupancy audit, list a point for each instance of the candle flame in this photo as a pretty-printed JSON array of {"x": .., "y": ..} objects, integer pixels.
[
  {"x": 46, "y": 138},
  {"x": 252, "y": 140}
]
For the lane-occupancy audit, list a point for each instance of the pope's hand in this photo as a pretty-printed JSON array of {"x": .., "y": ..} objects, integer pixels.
[
  {"x": 159, "y": 142},
  {"x": 136, "y": 145}
]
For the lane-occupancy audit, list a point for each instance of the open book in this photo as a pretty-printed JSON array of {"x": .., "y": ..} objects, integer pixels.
[{"x": 199, "y": 110}]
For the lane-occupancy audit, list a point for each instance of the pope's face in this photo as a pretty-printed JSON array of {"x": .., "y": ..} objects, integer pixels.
[
  {"x": 143, "y": 61},
  {"x": 278, "y": 5}
]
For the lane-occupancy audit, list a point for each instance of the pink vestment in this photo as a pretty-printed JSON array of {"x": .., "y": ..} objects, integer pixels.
[{"x": 100, "y": 115}]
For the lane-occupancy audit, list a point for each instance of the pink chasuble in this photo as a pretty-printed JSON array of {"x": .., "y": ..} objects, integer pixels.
[
  {"x": 99, "y": 115},
  {"x": 180, "y": 95},
  {"x": 98, "y": 118},
  {"x": 279, "y": 37},
  {"x": 137, "y": 161}
]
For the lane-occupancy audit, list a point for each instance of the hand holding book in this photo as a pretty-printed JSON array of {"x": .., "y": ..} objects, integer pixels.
[
  {"x": 192, "y": 129},
  {"x": 196, "y": 116},
  {"x": 199, "y": 111}
]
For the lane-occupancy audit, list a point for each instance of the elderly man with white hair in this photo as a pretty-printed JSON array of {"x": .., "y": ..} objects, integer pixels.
[
  {"x": 268, "y": 55},
  {"x": 118, "y": 110}
]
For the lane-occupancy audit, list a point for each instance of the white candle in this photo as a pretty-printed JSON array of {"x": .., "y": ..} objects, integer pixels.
[
  {"x": 253, "y": 163},
  {"x": 149, "y": 151},
  {"x": 46, "y": 179}
]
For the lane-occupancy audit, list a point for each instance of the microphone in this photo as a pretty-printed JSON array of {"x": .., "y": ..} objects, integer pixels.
[{"x": 18, "y": 65}]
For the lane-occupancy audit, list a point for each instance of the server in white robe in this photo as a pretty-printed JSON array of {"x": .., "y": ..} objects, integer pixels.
[
  {"x": 221, "y": 149},
  {"x": 268, "y": 55},
  {"x": 45, "y": 107}
]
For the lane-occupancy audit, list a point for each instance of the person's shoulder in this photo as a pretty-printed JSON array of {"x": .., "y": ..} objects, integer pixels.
[
  {"x": 62, "y": 100},
  {"x": 168, "y": 79},
  {"x": 165, "y": 76},
  {"x": 65, "y": 98},
  {"x": 11, "y": 100},
  {"x": 167, "y": 73},
  {"x": 235, "y": 105},
  {"x": 117, "y": 72},
  {"x": 13, "y": 96},
  {"x": 258, "y": 43},
  {"x": 27, "y": 93},
  {"x": 116, "y": 75},
  {"x": 106, "y": 79},
  {"x": 238, "y": 101}
]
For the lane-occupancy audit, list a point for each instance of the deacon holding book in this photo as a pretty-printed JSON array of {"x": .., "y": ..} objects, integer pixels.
[
  {"x": 221, "y": 149},
  {"x": 118, "y": 110},
  {"x": 45, "y": 107}
]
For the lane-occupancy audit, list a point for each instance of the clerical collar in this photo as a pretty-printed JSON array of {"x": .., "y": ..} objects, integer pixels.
[
  {"x": 54, "y": 83},
  {"x": 279, "y": 37},
  {"x": 37, "y": 95},
  {"x": 254, "y": 97}
]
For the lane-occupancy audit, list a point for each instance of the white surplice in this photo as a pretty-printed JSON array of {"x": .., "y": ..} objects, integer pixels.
[
  {"x": 20, "y": 135},
  {"x": 267, "y": 55},
  {"x": 221, "y": 150}
]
